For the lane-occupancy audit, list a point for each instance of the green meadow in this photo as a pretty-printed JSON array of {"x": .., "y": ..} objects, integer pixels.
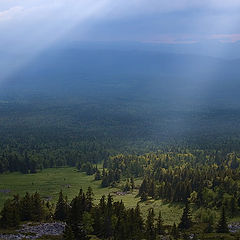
[{"x": 50, "y": 181}]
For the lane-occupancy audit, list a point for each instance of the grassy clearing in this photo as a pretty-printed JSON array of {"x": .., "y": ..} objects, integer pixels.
[
  {"x": 50, "y": 181},
  {"x": 170, "y": 212}
]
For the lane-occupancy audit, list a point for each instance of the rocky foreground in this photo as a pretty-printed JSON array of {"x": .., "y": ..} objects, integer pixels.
[
  {"x": 234, "y": 227},
  {"x": 29, "y": 231}
]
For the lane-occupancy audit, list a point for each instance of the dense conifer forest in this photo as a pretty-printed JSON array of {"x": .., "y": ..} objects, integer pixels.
[
  {"x": 200, "y": 172},
  {"x": 119, "y": 120},
  {"x": 107, "y": 219}
]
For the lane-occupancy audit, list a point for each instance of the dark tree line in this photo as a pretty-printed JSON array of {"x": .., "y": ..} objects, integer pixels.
[
  {"x": 31, "y": 159},
  {"x": 27, "y": 208},
  {"x": 107, "y": 219},
  {"x": 207, "y": 178}
]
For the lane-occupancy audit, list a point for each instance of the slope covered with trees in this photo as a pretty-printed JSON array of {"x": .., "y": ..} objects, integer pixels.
[{"x": 106, "y": 220}]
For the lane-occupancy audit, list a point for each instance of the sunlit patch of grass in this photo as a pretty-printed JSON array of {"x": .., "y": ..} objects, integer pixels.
[{"x": 50, "y": 181}]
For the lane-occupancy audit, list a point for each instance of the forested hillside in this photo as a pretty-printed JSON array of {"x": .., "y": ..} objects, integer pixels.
[{"x": 143, "y": 126}]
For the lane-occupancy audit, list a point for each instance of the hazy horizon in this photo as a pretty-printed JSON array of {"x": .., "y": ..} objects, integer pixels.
[{"x": 29, "y": 28}]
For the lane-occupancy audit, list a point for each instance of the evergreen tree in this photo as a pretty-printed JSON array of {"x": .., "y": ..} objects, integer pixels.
[
  {"x": 102, "y": 204},
  {"x": 89, "y": 199},
  {"x": 105, "y": 163},
  {"x": 108, "y": 225},
  {"x": 33, "y": 166},
  {"x": 61, "y": 212},
  {"x": 26, "y": 208},
  {"x": 144, "y": 188},
  {"x": 152, "y": 189},
  {"x": 98, "y": 219},
  {"x": 185, "y": 236},
  {"x": 109, "y": 203},
  {"x": 97, "y": 175},
  {"x": 127, "y": 186},
  {"x": 37, "y": 207},
  {"x": 88, "y": 222},
  {"x": 143, "y": 196},
  {"x": 186, "y": 221},
  {"x": 10, "y": 215},
  {"x": 233, "y": 206},
  {"x": 150, "y": 229},
  {"x": 68, "y": 233},
  {"x": 139, "y": 223},
  {"x": 159, "y": 227},
  {"x": 104, "y": 173},
  {"x": 132, "y": 183},
  {"x": 79, "y": 232},
  {"x": 175, "y": 232},
  {"x": 78, "y": 206},
  {"x": 105, "y": 181},
  {"x": 222, "y": 226},
  {"x": 209, "y": 228},
  {"x": 235, "y": 162},
  {"x": 121, "y": 230}
]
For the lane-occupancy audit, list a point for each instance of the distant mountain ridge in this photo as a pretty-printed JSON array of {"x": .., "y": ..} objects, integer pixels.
[{"x": 73, "y": 72}]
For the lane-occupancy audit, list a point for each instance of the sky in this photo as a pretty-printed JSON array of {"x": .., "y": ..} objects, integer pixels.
[
  {"x": 39, "y": 22},
  {"x": 29, "y": 26}
]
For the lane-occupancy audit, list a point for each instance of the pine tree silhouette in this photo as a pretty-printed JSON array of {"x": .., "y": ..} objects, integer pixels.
[
  {"x": 222, "y": 226},
  {"x": 186, "y": 221}
]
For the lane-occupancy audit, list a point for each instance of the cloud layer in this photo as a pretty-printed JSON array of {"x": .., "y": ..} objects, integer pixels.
[
  {"x": 44, "y": 21},
  {"x": 29, "y": 26}
]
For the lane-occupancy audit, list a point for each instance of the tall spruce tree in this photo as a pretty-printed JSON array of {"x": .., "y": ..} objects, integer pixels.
[
  {"x": 89, "y": 199},
  {"x": 144, "y": 188},
  {"x": 79, "y": 232},
  {"x": 208, "y": 228},
  {"x": 186, "y": 221},
  {"x": 159, "y": 227},
  {"x": 152, "y": 189},
  {"x": 150, "y": 229},
  {"x": 10, "y": 215},
  {"x": 68, "y": 233},
  {"x": 61, "y": 211},
  {"x": 222, "y": 226},
  {"x": 138, "y": 219},
  {"x": 37, "y": 207},
  {"x": 132, "y": 183},
  {"x": 144, "y": 196},
  {"x": 97, "y": 175},
  {"x": 108, "y": 225},
  {"x": 26, "y": 207},
  {"x": 175, "y": 232}
]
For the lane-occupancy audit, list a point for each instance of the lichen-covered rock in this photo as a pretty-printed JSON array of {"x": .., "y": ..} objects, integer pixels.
[
  {"x": 28, "y": 231},
  {"x": 234, "y": 227}
]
